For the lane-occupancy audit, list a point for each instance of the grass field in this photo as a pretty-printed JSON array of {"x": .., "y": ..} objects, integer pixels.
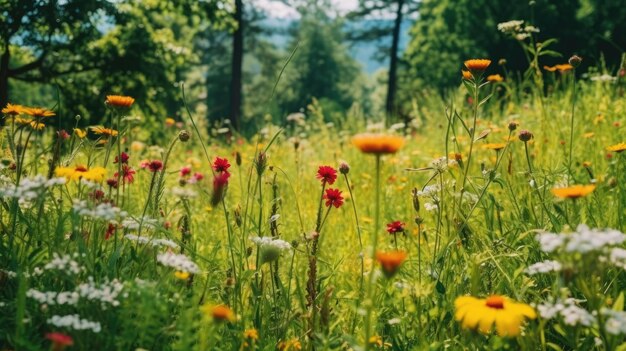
[{"x": 492, "y": 220}]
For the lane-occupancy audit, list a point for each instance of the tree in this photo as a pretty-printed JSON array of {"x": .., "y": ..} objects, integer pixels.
[
  {"x": 380, "y": 30},
  {"x": 237, "y": 64}
]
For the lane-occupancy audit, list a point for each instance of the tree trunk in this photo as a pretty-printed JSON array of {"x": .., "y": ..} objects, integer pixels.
[
  {"x": 4, "y": 76},
  {"x": 237, "y": 61},
  {"x": 390, "y": 105}
]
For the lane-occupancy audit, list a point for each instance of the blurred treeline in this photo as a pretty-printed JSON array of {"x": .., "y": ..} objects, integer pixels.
[{"x": 71, "y": 53}]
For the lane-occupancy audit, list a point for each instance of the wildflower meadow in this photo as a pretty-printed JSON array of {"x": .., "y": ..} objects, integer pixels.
[{"x": 491, "y": 218}]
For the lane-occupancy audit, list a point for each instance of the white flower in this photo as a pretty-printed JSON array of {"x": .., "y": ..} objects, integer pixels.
[
  {"x": 104, "y": 211},
  {"x": 583, "y": 240},
  {"x": 184, "y": 192},
  {"x": 429, "y": 190},
  {"x": 616, "y": 321},
  {"x": 531, "y": 29},
  {"x": 134, "y": 223},
  {"x": 74, "y": 322},
  {"x": 617, "y": 257},
  {"x": 441, "y": 164},
  {"x": 394, "y": 321},
  {"x": 154, "y": 242},
  {"x": 430, "y": 206},
  {"x": 544, "y": 267},
  {"x": 106, "y": 292},
  {"x": 568, "y": 310},
  {"x": 270, "y": 249},
  {"x": 178, "y": 261},
  {"x": 29, "y": 189},
  {"x": 63, "y": 263},
  {"x": 510, "y": 26},
  {"x": 603, "y": 78}
]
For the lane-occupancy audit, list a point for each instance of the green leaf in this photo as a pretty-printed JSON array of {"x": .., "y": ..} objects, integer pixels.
[
  {"x": 619, "y": 302},
  {"x": 440, "y": 288}
]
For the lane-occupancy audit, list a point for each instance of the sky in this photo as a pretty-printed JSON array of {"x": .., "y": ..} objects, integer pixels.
[{"x": 277, "y": 9}]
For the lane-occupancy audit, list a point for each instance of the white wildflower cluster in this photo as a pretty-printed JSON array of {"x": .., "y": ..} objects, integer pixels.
[
  {"x": 296, "y": 118},
  {"x": 178, "y": 261},
  {"x": 617, "y": 257},
  {"x": 74, "y": 322},
  {"x": 106, "y": 293},
  {"x": 517, "y": 29},
  {"x": 428, "y": 206},
  {"x": 29, "y": 189},
  {"x": 397, "y": 126},
  {"x": 65, "y": 263},
  {"x": 441, "y": 164},
  {"x": 429, "y": 191},
  {"x": 8, "y": 274},
  {"x": 604, "y": 78},
  {"x": 546, "y": 266},
  {"x": 134, "y": 223},
  {"x": 104, "y": 211},
  {"x": 281, "y": 245},
  {"x": 153, "y": 242},
  {"x": 615, "y": 321},
  {"x": 567, "y": 309},
  {"x": 184, "y": 192},
  {"x": 583, "y": 240}
]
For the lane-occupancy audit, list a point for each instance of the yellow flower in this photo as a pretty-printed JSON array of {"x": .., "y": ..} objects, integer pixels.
[
  {"x": 587, "y": 164},
  {"x": 119, "y": 101},
  {"x": 467, "y": 75},
  {"x": 477, "y": 65},
  {"x": 252, "y": 334},
  {"x": 137, "y": 146},
  {"x": 80, "y": 133},
  {"x": 38, "y": 112},
  {"x": 617, "y": 147},
  {"x": 573, "y": 192},
  {"x": 182, "y": 275},
  {"x": 170, "y": 121},
  {"x": 13, "y": 110},
  {"x": 220, "y": 313},
  {"x": 289, "y": 345},
  {"x": 561, "y": 68},
  {"x": 378, "y": 143},
  {"x": 100, "y": 130},
  {"x": 495, "y": 78},
  {"x": 95, "y": 174},
  {"x": 482, "y": 314},
  {"x": 589, "y": 135},
  {"x": 37, "y": 125},
  {"x": 495, "y": 146}
]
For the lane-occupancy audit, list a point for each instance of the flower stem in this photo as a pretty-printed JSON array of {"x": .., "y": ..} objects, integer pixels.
[{"x": 370, "y": 283}]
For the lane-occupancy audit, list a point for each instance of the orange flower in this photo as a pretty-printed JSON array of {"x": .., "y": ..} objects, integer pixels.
[
  {"x": 390, "y": 261},
  {"x": 477, "y": 65},
  {"x": 100, "y": 130},
  {"x": 467, "y": 75},
  {"x": 561, "y": 68},
  {"x": 378, "y": 143},
  {"x": 13, "y": 110},
  {"x": 119, "y": 101},
  {"x": 617, "y": 147},
  {"x": 495, "y": 78},
  {"x": 38, "y": 112},
  {"x": 495, "y": 146},
  {"x": 220, "y": 313},
  {"x": 573, "y": 192}
]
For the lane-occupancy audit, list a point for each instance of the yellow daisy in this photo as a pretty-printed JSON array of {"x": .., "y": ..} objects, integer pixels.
[
  {"x": 378, "y": 143},
  {"x": 507, "y": 315},
  {"x": 617, "y": 147},
  {"x": 79, "y": 172},
  {"x": 573, "y": 192},
  {"x": 100, "y": 130}
]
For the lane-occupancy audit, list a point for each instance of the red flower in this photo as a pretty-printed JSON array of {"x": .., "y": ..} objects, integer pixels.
[
  {"x": 333, "y": 197},
  {"x": 219, "y": 187},
  {"x": 327, "y": 174},
  {"x": 62, "y": 134},
  {"x": 124, "y": 157},
  {"x": 112, "y": 182},
  {"x": 221, "y": 165},
  {"x": 110, "y": 231},
  {"x": 59, "y": 340},
  {"x": 198, "y": 176},
  {"x": 185, "y": 171},
  {"x": 395, "y": 227},
  {"x": 155, "y": 166}
]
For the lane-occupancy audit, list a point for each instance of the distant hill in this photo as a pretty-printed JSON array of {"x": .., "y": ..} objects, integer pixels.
[{"x": 364, "y": 52}]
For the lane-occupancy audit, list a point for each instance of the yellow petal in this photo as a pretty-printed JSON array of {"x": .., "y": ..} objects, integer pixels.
[
  {"x": 507, "y": 323},
  {"x": 486, "y": 321}
]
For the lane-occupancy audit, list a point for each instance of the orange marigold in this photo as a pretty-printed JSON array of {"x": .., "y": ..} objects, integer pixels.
[
  {"x": 495, "y": 78},
  {"x": 119, "y": 101},
  {"x": 13, "y": 110},
  {"x": 477, "y": 65},
  {"x": 467, "y": 75},
  {"x": 390, "y": 261},
  {"x": 100, "y": 130},
  {"x": 573, "y": 192},
  {"x": 38, "y": 112},
  {"x": 370, "y": 143},
  {"x": 617, "y": 147}
]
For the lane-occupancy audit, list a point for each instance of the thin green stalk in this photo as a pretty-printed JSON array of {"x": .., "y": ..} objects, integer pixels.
[{"x": 370, "y": 282}]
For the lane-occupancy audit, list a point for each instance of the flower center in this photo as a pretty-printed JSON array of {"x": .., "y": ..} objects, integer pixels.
[
  {"x": 80, "y": 169},
  {"x": 495, "y": 301}
]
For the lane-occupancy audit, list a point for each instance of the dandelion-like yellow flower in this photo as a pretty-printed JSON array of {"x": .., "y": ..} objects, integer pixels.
[
  {"x": 13, "y": 110},
  {"x": 378, "y": 144},
  {"x": 38, "y": 112},
  {"x": 495, "y": 146},
  {"x": 37, "y": 125},
  {"x": 507, "y": 315},
  {"x": 219, "y": 313},
  {"x": 100, "y": 130},
  {"x": 617, "y": 147},
  {"x": 290, "y": 345},
  {"x": 467, "y": 75},
  {"x": 95, "y": 174},
  {"x": 182, "y": 275},
  {"x": 21, "y": 121},
  {"x": 170, "y": 121},
  {"x": 390, "y": 261},
  {"x": 80, "y": 133},
  {"x": 573, "y": 192},
  {"x": 251, "y": 334},
  {"x": 119, "y": 101},
  {"x": 495, "y": 78},
  {"x": 477, "y": 65}
]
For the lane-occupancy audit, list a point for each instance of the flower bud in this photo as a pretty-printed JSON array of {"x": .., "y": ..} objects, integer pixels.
[
  {"x": 525, "y": 135},
  {"x": 513, "y": 126},
  {"x": 416, "y": 200},
  {"x": 575, "y": 61},
  {"x": 502, "y": 62},
  {"x": 184, "y": 136},
  {"x": 238, "y": 158},
  {"x": 344, "y": 167}
]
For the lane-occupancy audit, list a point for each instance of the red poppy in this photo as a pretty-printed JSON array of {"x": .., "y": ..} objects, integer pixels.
[
  {"x": 155, "y": 166},
  {"x": 327, "y": 174},
  {"x": 395, "y": 227},
  {"x": 333, "y": 197},
  {"x": 124, "y": 157},
  {"x": 221, "y": 165}
]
